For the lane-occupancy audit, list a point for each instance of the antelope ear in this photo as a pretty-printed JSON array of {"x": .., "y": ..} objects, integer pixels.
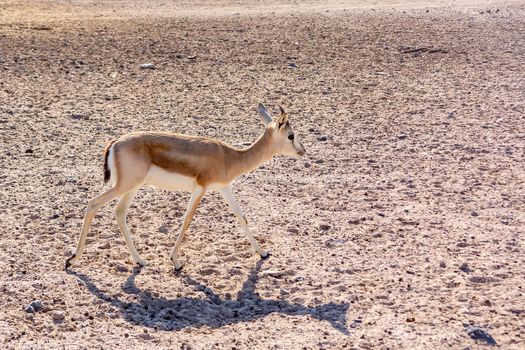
[
  {"x": 265, "y": 115},
  {"x": 283, "y": 119},
  {"x": 282, "y": 109}
]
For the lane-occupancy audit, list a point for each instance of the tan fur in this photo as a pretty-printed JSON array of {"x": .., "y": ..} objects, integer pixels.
[{"x": 207, "y": 160}]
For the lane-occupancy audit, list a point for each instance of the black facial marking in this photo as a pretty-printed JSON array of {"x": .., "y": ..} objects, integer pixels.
[{"x": 291, "y": 137}]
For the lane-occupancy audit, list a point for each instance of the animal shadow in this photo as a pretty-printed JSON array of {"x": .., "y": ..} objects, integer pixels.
[{"x": 214, "y": 311}]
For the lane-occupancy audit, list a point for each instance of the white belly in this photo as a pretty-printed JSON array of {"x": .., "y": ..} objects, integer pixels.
[
  {"x": 160, "y": 178},
  {"x": 166, "y": 180}
]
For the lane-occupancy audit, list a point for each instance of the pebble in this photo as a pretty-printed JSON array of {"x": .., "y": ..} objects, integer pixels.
[
  {"x": 355, "y": 323},
  {"x": 474, "y": 213},
  {"x": 163, "y": 229},
  {"x": 121, "y": 268},
  {"x": 465, "y": 268},
  {"x": 322, "y": 138},
  {"x": 273, "y": 273},
  {"x": 442, "y": 264},
  {"x": 147, "y": 66},
  {"x": 292, "y": 65},
  {"x": 79, "y": 116},
  {"x": 307, "y": 165},
  {"x": 104, "y": 246},
  {"x": 323, "y": 228},
  {"x": 401, "y": 136},
  {"x": 293, "y": 230},
  {"x": 479, "y": 334},
  {"x": 34, "y": 306},
  {"x": 319, "y": 161},
  {"x": 58, "y": 316}
]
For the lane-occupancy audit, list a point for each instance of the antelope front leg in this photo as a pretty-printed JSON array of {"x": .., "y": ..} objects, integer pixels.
[
  {"x": 195, "y": 199},
  {"x": 228, "y": 196}
]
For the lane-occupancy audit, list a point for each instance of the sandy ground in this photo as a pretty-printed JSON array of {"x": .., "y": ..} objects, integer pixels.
[{"x": 403, "y": 225}]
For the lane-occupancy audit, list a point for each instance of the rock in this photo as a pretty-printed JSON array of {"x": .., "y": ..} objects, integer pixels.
[
  {"x": 307, "y": 165},
  {"x": 79, "y": 116},
  {"x": 29, "y": 151},
  {"x": 163, "y": 229},
  {"x": 477, "y": 333},
  {"x": 411, "y": 319},
  {"x": 104, "y": 246},
  {"x": 355, "y": 323},
  {"x": 57, "y": 316},
  {"x": 121, "y": 268},
  {"x": 54, "y": 216},
  {"x": 292, "y": 65},
  {"x": 442, "y": 264},
  {"x": 147, "y": 66},
  {"x": 34, "y": 306},
  {"x": 465, "y": 268},
  {"x": 474, "y": 213},
  {"x": 192, "y": 57},
  {"x": 319, "y": 161},
  {"x": 322, "y": 138},
  {"x": 292, "y": 230},
  {"x": 273, "y": 273},
  {"x": 323, "y": 228},
  {"x": 401, "y": 136}
]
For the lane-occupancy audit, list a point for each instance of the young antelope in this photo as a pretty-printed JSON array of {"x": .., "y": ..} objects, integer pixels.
[{"x": 184, "y": 163}]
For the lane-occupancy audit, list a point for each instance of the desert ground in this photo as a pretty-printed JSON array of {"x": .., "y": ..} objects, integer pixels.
[{"x": 401, "y": 227}]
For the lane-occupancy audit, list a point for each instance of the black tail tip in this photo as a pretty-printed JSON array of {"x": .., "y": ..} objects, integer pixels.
[{"x": 107, "y": 175}]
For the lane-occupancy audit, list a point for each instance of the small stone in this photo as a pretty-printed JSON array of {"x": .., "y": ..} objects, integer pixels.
[
  {"x": 163, "y": 229},
  {"x": 29, "y": 151},
  {"x": 381, "y": 214},
  {"x": 319, "y": 161},
  {"x": 121, "y": 268},
  {"x": 54, "y": 216},
  {"x": 58, "y": 316},
  {"x": 465, "y": 268},
  {"x": 442, "y": 264},
  {"x": 34, "y": 306},
  {"x": 323, "y": 228},
  {"x": 104, "y": 246},
  {"x": 401, "y": 136},
  {"x": 322, "y": 138},
  {"x": 192, "y": 57},
  {"x": 411, "y": 319},
  {"x": 477, "y": 333},
  {"x": 79, "y": 117},
  {"x": 147, "y": 66},
  {"x": 355, "y": 323},
  {"x": 273, "y": 273},
  {"x": 474, "y": 213},
  {"x": 307, "y": 165},
  {"x": 292, "y": 65},
  {"x": 292, "y": 230}
]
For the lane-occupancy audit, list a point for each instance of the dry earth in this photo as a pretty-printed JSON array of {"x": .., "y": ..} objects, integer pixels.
[{"x": 403, "y": 225}]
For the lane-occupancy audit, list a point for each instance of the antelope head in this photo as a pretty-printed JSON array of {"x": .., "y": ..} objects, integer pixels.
[{"x": 284, "y": 140}]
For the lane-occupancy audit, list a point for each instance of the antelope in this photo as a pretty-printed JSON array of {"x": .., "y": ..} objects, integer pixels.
[{"x": 184, "y": 163}]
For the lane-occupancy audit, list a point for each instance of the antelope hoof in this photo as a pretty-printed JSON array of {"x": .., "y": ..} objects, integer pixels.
[
  {"x": 141, "y": 263},
  {"x": 68, "y": 261}
]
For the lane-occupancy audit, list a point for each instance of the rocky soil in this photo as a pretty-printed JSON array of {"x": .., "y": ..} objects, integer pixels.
[{"x": 402, "y": 228}]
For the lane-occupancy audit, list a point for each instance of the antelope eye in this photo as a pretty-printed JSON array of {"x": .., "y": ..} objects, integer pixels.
[{"x": 290, "y": 137}]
